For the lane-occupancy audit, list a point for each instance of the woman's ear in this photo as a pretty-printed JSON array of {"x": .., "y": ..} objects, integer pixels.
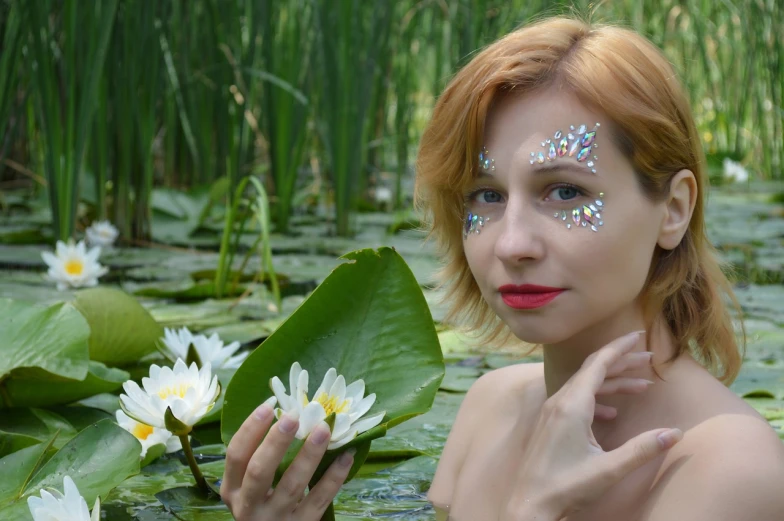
[{"x": 679, "y": 208}]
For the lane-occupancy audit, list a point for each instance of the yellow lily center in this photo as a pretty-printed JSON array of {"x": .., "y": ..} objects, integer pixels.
[
  {"x": 141, "y": 431},
  {"x": 74, "y": 267},
  {"x": 331, "y": 403},
  {"x": 178, "y": 390}
]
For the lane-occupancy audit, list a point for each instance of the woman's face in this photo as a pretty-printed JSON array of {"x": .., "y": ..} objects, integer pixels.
[{"x": 533, "y": 209}]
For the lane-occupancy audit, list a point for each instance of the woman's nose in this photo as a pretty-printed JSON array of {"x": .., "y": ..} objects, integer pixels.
[{"x": 520, "y": 237}]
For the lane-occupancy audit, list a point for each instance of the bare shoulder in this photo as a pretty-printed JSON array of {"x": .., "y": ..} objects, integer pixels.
[
  {"x": 729, "y": 467},
  {"x": 487, "y": 397}
]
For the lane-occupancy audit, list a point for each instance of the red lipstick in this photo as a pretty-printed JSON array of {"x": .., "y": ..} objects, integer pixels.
[{"x": 528, "y": 296}]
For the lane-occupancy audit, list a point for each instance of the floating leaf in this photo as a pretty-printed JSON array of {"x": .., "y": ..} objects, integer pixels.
[
  {"x": 38, "y": 339},
  {"x": 369, "y": 320},
  {"x": 122, "y": 330}
]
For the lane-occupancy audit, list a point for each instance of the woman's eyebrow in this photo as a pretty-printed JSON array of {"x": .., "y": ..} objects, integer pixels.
[{"x": 568, "y": 166}]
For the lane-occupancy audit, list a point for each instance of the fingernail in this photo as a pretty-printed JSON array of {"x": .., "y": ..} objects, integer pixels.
[
  {"x": 345, "y": 459},
  {"x": 288, "y": 422},
  {"x": 638, "y": 333},
  {"x": 646, "y": 382},
  {"x": 669, "y": 438},
  {"x": 262, "y": 412},
  {"x": 320, "y": 434}
]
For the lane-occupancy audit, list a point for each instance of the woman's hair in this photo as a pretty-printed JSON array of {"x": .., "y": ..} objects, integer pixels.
[{"x": 622, "y": 75}]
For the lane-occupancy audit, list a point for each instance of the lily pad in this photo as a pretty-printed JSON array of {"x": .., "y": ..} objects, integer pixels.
[
  {"x": 122, "y": 330},
  {"x": 98, "y": 459},
  {"x": 39, "y": 340},
  {"x": 188, "y": 290},
  {"x": 369, "y": 320},
  {"x": 42, "y": 393}
]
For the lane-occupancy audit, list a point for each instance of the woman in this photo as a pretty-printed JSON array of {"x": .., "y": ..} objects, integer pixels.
[{"x": 565, "y": 180}]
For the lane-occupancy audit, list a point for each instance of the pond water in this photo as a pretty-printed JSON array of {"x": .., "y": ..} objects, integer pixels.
[{"x": 747, "y": 229}]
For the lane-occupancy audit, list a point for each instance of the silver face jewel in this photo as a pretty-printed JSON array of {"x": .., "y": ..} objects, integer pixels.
[
  {"x": 579, "y": 144},
  {"x": 486, "y": 163},
  {"x": 473, "y": 224}
]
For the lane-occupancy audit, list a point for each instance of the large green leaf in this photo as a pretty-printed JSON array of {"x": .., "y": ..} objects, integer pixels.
[
  {"x": 42, "y": 393},
  {"x": 52, "y": 339},
  {"x": 18, "y": 467},
  {"x": 98, "y": 459},
  {"x": 369, "y": 320},
  {"x": 122, "y": 330}
]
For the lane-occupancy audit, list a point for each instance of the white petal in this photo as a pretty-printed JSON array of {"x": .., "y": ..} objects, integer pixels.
[
  {"x": 311, "y": 415},
  {"x": 359, "y": 409},
  {"x": 356, "y": 390},
  {"x": 280, "y": 393},
  {"x": 366, "y": 424},
  {"x": 326, "y": 383},
  {"x": 342, "y": 425},
  {"x": 342, "y": 441},
  {"x": 294, "y": 376},
  {"x": 338, "y": 389}
]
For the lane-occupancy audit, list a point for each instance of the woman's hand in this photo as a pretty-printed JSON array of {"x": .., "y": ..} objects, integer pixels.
[
  {"x": 563, "y": 468},
  {"x": 250, "y": 469}
]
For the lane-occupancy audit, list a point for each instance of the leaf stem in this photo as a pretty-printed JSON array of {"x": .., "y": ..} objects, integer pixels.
[{"x": 200, "y": 481}]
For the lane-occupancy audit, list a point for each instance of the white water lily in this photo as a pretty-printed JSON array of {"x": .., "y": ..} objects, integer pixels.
[
  {"x": 734, "y": 171},
  {"x": 349, "y": 404},
  {"x": 67, "y": 506},
  {"x": 101, "y": 233},
  {"x": 210, "y": 349},
  {"x": 148, "y": 435},
  {"x": 73, "y": 266},
  {"x": 190, "y": 392}
]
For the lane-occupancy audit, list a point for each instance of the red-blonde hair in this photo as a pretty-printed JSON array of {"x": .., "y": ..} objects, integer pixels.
[{"x": 621, "y": 74}]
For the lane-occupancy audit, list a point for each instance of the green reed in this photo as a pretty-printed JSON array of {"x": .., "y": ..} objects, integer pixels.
[
  {"x": 68, "y": 63},
  {"x": 135, "y": 94}
]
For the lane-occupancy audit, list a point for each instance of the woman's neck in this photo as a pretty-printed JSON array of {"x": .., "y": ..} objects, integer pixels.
[{"x": 564, "y": 359}]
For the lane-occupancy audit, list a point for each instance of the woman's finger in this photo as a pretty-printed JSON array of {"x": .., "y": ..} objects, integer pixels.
[
  {"x": 291, "y": 487},
  {"x": 604, "y": 412},
  {"x": 320, "y": 496},
  {"x": 638, "y": 451},
  {"x": 591, "y": 376},
  {"x": 242, "y": 446},
  {"x": 262, "y": 466},
  {"x": 630, "y": 362},
  {"x": 621, "y": 385}
]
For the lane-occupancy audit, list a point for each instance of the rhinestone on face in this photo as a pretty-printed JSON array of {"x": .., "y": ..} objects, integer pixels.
[
  {"x": 576, "y": 215},
  {"x": 589, "y": 164},
  {"x": 592, "y": 207},
  {"x": 583, "y": 155},
  {"x": 473, "y": 223},
  {"x": 551, "y": 153},
  {"x": 598, "y": 202},
  {"x": 570, "y": 136},
  {"x": 581, "y": 130},
  {"x": 557, "y": 135},
  {"x": 563, "y": 215},
  {"x": 594, "y": 228},
  {"x": 540, "y": 158},
  {"x": 562, "y": 147},
  {"x": 543, "y": 143},
  {"x": 574, "y": 148},
  {"x": 588, "y": 138},
  {"x": 568, "y": 226}
]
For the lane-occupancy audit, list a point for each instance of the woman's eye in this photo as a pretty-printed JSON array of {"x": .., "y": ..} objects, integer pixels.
[
  {"x": 564, "y": 193},
  {"x": 486, "y": 196}
]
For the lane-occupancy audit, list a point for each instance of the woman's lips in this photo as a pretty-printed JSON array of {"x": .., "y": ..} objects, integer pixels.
[{"x": 528, "y": 296}]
